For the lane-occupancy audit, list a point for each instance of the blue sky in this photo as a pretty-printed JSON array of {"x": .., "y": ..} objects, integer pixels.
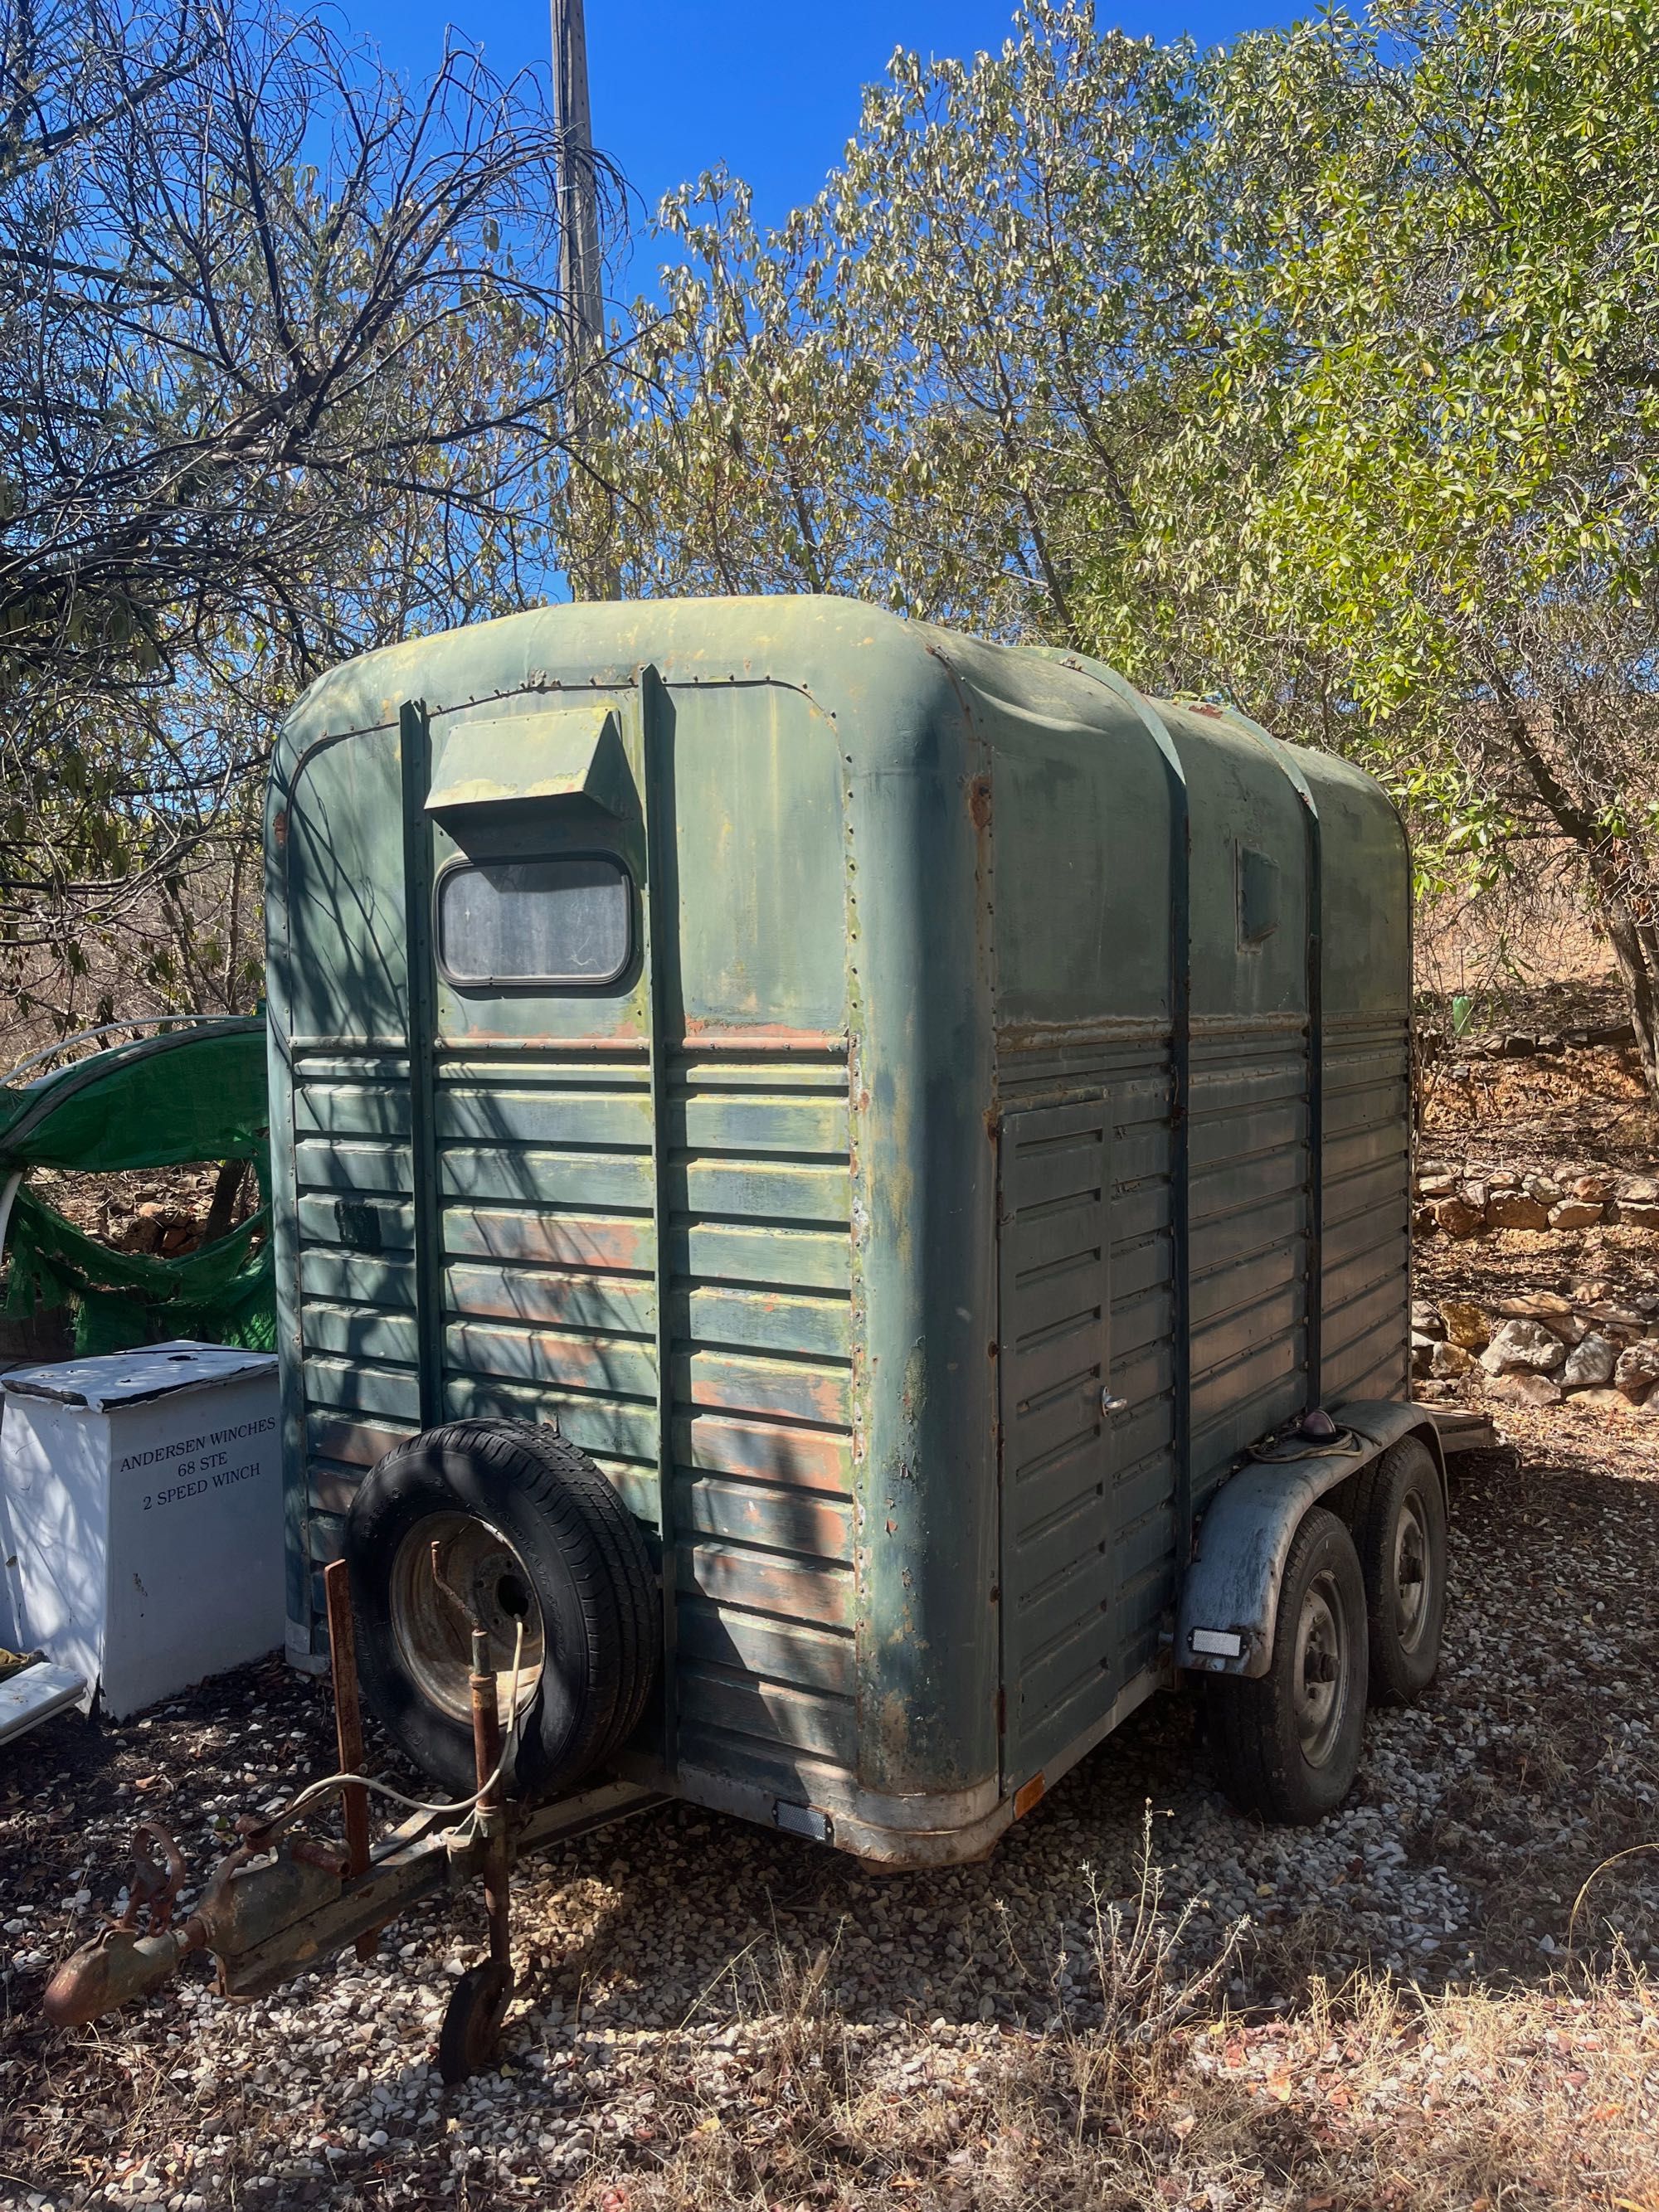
[{"x": 772, "y": 92}]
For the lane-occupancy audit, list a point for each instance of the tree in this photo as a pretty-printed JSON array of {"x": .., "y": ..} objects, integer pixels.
[
  {"x": 1318, "y": 372},
  {"x": 1445, "y": 381},
  {"x": 280, "y": 377},
  {"x": 914, "y": 387}
]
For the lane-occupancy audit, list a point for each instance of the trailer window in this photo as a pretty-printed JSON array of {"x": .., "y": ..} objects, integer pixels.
[{"x": 552, "y": 922}]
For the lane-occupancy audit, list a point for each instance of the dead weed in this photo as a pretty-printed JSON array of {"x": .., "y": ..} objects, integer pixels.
[{"x": 1368, "y": 2096}]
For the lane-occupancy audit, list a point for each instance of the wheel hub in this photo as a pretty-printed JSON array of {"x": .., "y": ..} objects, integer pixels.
[
  {"x": 453, "y": 1570},
  {"x": 1320, "y": 1669},
  {"x": 1412, "y": 1592}
]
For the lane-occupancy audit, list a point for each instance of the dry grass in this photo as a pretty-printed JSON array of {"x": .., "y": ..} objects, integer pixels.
[
  {"x": 1157, "y": 2095},
  {"x": 1143, "y": 2089},
  {"x": 1369, "y": 2096}
]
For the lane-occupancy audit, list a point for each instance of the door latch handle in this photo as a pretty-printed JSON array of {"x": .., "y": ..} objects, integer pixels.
[{"x": 1111, "y": 1404}]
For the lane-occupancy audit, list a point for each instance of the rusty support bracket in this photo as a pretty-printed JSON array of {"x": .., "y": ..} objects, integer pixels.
[
  {"x": 270, "y": 1912},
  {"x": 348, "y": 1724},
  {"x": 154, "y": 1888}
]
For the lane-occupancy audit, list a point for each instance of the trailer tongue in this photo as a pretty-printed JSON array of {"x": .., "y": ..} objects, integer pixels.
[{"x": 287, "y": 1898}]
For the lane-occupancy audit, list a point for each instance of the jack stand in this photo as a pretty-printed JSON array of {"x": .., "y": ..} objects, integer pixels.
[{"x": 472, "y": 2021}]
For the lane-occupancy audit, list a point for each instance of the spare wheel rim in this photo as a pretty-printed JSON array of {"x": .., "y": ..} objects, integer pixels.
[{"x": 433, "y": 1634}]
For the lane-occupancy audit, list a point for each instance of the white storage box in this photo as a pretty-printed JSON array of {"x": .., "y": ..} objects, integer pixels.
[{"x": 141, "y": 1515}]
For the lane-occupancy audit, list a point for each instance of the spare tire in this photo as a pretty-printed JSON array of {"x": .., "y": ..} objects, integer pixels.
[{"x": 531, "y": 1536}]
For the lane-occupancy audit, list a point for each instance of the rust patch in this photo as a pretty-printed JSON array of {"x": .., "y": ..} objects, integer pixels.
[
  {"x": 774, "y": 1037},
  {"x": 279, "y": 828},
  {"x": 820, "y": 1597},
  {"x": 730, "y": 1383},
  {"x": 568, "y": 1240},
  {"x": 625, "y": 1038},
  {"x": 893, "y": 1729},
  {"x": 604, "y": 1364},
  {"x": 798, "y": 1457},
  {"x": 979, "y": 801},
  {"x": 783, "y": 1520}
]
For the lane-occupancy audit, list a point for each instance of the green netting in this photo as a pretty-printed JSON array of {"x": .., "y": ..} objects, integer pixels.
[{"x": 193, "y": 1094}]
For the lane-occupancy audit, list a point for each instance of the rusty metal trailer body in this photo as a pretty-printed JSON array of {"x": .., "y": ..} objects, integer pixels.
[{"x": 916, "y": 1112}]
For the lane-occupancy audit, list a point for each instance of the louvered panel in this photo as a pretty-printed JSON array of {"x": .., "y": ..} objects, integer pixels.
[
  {"x": 1367, "y": 1215},
  {"x": 355, "y": 1264},
  {"x": 1053, "y": 1358},
  {"x": 549, "y": 1280},
  {"x": 1250, "y": 1237},
  {"x": 759, "y": 1192},
  {"x": 543, "y": 1167},
  {"x": 1134, "y": 1078}
]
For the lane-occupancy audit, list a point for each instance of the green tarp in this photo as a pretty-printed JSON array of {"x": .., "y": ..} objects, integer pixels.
[{"x": 195, "y": 1094}]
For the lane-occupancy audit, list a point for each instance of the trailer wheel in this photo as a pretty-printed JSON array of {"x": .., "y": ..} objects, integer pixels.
[
  {"x": 1289, "y": 1742},
  {"x": 472, "y": 2021},
  {"x": 506, "y": 1525},
  {"x": 1400, "y": 1527}
]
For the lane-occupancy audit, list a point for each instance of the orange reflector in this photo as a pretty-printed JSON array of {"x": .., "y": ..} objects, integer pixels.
[{"x": 1025, "y": 1798}]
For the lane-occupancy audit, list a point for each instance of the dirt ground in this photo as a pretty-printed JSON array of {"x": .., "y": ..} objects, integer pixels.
[
  {"x": 711, "y": 2013},
  {"x": 1445, "y": 1995}
]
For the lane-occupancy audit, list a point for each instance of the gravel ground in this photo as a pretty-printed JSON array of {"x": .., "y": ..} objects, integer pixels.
[{"x": 653, "y": 1954}]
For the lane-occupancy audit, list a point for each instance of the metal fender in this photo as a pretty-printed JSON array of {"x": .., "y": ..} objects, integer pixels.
[
  {"x": 1229, "y": 1598},
  {"x": 1383, "y": 1421}
]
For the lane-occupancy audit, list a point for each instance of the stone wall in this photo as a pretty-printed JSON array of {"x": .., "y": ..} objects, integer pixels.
[
  {"x": 1542, "y": 1346},
  {"x": 1464, "y": 1202}
]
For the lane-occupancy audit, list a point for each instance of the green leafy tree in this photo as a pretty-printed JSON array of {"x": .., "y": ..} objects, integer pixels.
[
  {"x": 1318, "y": 372},
  {"x": 1426, "y": 444},
  {"x": 914, "y": 389}
]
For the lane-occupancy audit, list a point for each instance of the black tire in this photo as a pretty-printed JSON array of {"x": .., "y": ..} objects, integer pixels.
[
  {"x": 1400, "y": 1530},
  {"x": 539, "y": 1536},
  {"x": 1285, "y": 1752}
]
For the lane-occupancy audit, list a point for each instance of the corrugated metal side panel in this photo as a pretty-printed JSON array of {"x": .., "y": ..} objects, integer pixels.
[
  {"x": 762, "y": 1332},
  {"x": 1367, "y": 1214},
  {"x": 357, "y": 1327},
  {"x": 548, "y": 1259},
  {"x": 1054, "y": 1324},
  {"x": 549, "y": 1286},
  {"x": 1249, "y": 1237},
  {"x": 1133, "y": 1079},
  {"x": 544, "y": 1173}
]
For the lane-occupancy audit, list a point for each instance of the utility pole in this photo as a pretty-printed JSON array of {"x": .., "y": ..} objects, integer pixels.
[{"x": 578, "y": 252}]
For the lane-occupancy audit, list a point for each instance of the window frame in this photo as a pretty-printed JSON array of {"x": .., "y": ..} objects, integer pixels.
[{"x": 462, "y": 863}]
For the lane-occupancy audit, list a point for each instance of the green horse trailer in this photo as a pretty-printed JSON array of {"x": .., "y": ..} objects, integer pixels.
[
  {"x": 841, "y": 1218},
  {"x": 922, "y": 1123}
]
